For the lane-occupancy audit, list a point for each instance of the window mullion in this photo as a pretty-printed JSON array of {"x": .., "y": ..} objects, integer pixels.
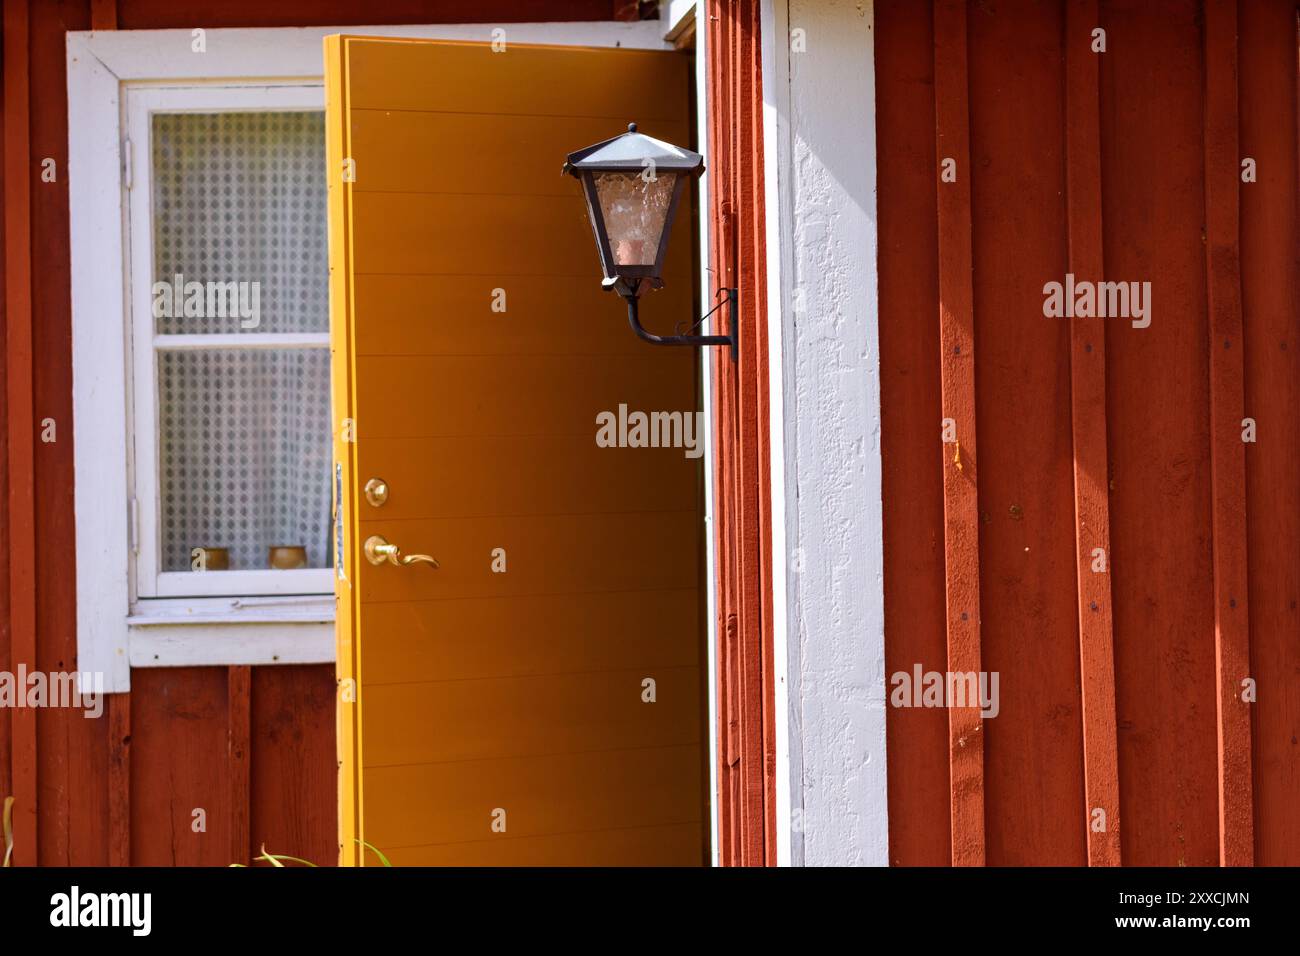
[{"x": 241, "y": 340}]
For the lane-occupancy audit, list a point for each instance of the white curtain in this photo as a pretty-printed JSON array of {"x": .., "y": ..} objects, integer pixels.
[{"x": 244, "y": 433}]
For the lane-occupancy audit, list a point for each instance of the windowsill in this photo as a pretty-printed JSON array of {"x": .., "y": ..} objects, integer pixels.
[
  {"x": 285, "y": 609},
  {"x": 221, "y": 632}
]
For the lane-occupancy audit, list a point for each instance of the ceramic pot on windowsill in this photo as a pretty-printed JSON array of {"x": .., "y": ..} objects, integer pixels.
[
  {"x": 286, "y": 557},
  {"x": 209, "y": 559}
]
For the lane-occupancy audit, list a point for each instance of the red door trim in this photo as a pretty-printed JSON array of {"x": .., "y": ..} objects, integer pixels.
[{"x": 742, "y": 467}]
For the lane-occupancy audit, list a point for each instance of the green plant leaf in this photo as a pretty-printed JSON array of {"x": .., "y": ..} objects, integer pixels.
[
  {"x": 376, "y": 851},
  {"x": 275, "y": 858}
]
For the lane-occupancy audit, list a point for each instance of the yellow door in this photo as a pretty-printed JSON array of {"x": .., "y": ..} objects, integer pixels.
[{"x": 539, "y": 696}]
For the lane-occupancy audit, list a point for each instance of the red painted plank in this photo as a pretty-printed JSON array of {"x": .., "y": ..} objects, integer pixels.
[
  {"x": 103, "y": 14},
  {"x": 957, "y": 364},
  {"x": 727, "y": 623},
  {"x": 760, "y": 450},
  {"x": 1270, "y": 273},
  {"x": 1157, "y": 429},
  {"x": 292, "y": 800},
  {"x": 1088, "y": 424},
  {"x": 748, "y": 661},
  {"x": 119, "y": 780},
  {"x": 179, "y": 765},
  {"x": 239, "y": 688},
  {"x": 72, "y": 751},
  {"x": 21, "y": 424},
  {"x": 1228, "y": 456},
  {"x": 1028, "y": 627},
  {"x": 742, "y": 528},
  {"x": 912, "y": 488},
  {"x": 754, "y": 702}
]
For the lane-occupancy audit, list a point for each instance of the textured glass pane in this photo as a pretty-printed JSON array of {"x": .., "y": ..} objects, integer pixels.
[
  {"x": 244, "y": 462},
  {"x": 635, "y": 212},
  {"x": 239, "y": 223}
]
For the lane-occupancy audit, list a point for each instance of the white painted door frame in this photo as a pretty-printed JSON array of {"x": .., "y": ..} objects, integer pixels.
[{"x": 819, "y": 137}]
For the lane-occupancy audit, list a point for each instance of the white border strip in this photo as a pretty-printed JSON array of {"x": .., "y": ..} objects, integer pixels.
[
  {"x": 776, "y": 164},
  {"x": 204, "y": 644},
  {"x": 707, "y": 285},
  {"x": 99, "y": 352},
  {"x": 295, "y": 52},
  {"x": 820, "y": 168}
]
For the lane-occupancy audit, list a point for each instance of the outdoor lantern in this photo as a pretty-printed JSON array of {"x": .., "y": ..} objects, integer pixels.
[{"x": 633, "y": 184}]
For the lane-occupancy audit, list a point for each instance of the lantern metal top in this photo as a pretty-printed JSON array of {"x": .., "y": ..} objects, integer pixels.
[{"x": 633, "y": 151}]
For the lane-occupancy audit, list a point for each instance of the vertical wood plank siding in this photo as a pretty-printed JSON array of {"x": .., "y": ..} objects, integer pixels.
[
  {"x": 1227, "y": 450},
  {"x": 1123, "y": 165},
  {"x": 1088, "y": 426},
  {"x": 912, "y": 480},
  {"x": 1269, "y": 132},
  {"x": 20, "y": 435},
  {"x": 1121, "y": 688},
  {"x": 958, "y": 458}
]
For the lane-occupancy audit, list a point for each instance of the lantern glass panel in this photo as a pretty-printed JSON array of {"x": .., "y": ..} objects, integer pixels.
[{"x": 635, "y": 209}]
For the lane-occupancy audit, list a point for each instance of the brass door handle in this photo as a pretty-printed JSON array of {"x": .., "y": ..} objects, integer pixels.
[{"x": 378, "y": 551}]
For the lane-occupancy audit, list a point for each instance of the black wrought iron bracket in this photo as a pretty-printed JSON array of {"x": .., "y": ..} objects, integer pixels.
[{"x": 727, "y": 297}]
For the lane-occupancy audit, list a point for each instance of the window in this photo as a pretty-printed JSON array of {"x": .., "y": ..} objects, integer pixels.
[
  {"x": 229, "y": 376},
  {"x": 203, "y": 427}
]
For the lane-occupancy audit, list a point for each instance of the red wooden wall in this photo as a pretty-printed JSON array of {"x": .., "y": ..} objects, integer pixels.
[
  {"x": 1119, "y": 690},
  {"x": 254, "y": 747},
  {"x": 742, "y": 468}
]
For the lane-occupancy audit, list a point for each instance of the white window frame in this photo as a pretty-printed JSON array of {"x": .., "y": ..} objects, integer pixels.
[{"x": 118, "y": 626}]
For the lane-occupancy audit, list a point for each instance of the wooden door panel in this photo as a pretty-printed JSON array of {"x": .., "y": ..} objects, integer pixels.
[
  {"x": 564, "y": 474},
  {"x": 447, "y": 233},
  {"x": 613, "y": 631},
  {"x": 650, "y": 846},
  {"x": 540, "y": 794},
  {"x": 566, "y": 554},
  {"x": 495, "y": 236},
  {"x": 532, "y": 716},
  {"x": 443, "y": 396},
  {"x": 539, "y": 318},
  {"x": 520, "y": 687},
  {"x": 520, "y": 81},
  {"x": 544, "y": 315},
  {"x": 515, "y": 159}
]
